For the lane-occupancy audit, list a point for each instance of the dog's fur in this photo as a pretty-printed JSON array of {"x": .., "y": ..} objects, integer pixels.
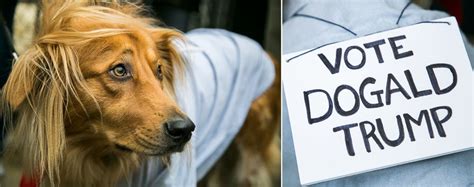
[
  {"x": 71, "y": 113},
  {"x": 73, "y": 122}
]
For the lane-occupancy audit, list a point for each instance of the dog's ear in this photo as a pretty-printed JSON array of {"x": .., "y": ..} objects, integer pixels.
[
  {"x": 168, "y": 42},
  {"x": 41, "y": 82},
  {"x": 20, "y": 81},
  {"x": 25, "y": 68}
]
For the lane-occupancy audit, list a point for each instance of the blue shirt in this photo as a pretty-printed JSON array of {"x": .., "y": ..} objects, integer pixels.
[{"x": 225, "y": 73}]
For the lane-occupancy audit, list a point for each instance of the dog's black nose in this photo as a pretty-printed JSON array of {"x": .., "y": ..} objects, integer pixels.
[{"x": 180, "y": 128}]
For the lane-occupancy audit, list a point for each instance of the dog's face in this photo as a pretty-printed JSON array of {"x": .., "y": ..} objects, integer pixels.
[
  {"x": 117, "y": 85},
  {"x": 95, "y": 86},
  {"x": 125, "y": 74}
]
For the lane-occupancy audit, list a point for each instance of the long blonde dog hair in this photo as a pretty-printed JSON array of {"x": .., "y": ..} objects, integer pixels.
[{"x": 48, "y": 76}]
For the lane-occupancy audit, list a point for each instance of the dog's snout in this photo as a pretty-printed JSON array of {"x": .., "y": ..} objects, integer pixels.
[{"x": 180, "y": 128}]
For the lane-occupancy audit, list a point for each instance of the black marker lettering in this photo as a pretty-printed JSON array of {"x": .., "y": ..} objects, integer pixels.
[
  {"x": 434, "y": 80},
  {"x": 376, "y": 46},
  {"x": 347, "y": 137},
  {"x": 333, "y": 69},
  {"x": 308, "y": 108},
  {"x": 395, "y": 48}
]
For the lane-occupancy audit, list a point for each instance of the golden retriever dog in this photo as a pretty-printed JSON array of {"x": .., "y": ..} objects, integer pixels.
[{"x": 94, "y": 96}]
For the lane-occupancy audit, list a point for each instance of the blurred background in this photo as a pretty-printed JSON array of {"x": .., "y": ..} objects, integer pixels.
[
  {"x": 257, "y": 19},
  {"x": 463, "y": 10}
]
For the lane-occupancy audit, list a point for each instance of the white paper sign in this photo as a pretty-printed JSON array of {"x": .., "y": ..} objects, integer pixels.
[{"x": 380, "y": 100}]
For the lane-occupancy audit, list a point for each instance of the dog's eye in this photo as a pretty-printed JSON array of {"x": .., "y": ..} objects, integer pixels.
[
  {"x": 119, "y": 71},
  {"x": 159, "y": 72}
]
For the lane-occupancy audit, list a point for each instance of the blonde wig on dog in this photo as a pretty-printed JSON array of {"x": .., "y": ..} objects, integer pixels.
[{"x": 47, "y": 79}]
